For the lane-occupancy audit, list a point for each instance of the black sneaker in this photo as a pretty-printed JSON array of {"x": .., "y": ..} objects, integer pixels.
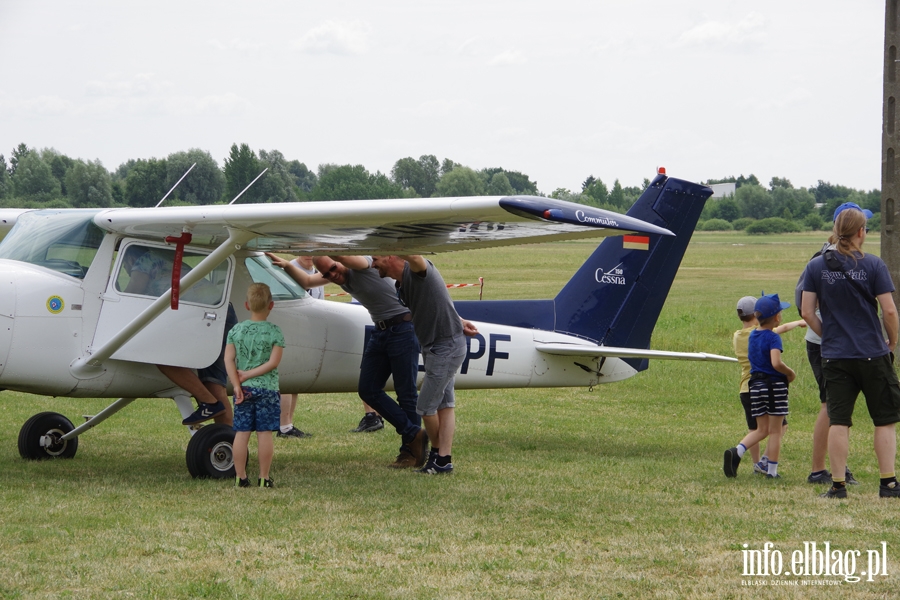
[
  {"x": 820, "y": 477},
  {"x": 731, "y": 462},
  {"x": 891, "y": 490},
  {"x": 266, "y": 483},
  {"x": 836, "y": 492},
  {"x": 293, "y": 432},
  {"x": 432, "y": 468},
  {"x": 370, "y": 422},
  {"x": 204, "y": 412},
  {"x": 238, "y": 482},
  {"x": 849, "y": 479},
  {"x": 775, "y": 476}
]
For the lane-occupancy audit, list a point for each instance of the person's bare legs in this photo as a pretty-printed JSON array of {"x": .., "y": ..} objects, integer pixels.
[
  {"x": 221, "y": 394},
  {"x": 820, "y": 440},
  {"x": 432, "y": 426},
  {"x": 839, "y": 447},
  {"x": 886, "y": 447},
  {"x": 753, "y": 450},
  {"x": 447, "y": 427},
  {"x": 266, "y": 450},
  {"x": 759, "y": 434},
  {"x": 187, "y": 380},
  {"x": 776, "y": 432},
  {"x": 288, "y": 405},
  {"x": 240, "y": 451}
]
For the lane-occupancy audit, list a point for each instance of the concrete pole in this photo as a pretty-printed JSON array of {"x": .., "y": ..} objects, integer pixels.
[{"x": 890, "y": 143}]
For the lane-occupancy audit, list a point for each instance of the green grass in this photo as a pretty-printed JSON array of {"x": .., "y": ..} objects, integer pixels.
[{"x": 561, "y": 493}]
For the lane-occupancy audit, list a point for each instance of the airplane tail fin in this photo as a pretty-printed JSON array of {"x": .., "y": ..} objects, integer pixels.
[{"x": 616, "y": 297}]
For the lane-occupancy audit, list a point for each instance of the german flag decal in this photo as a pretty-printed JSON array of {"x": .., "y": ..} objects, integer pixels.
[{"x": 636, "y": 242}]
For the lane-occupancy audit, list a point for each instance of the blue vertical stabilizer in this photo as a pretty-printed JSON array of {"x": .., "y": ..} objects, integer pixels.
[{"x": 615, "y": 298}]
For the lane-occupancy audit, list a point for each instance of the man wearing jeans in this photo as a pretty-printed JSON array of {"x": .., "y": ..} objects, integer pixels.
[
  {"x": 441, "y": 333},
  {"x": 392, "y": 348}
]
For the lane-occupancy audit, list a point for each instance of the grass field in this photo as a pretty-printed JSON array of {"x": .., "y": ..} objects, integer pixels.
[{"x": 563, "y": 493}]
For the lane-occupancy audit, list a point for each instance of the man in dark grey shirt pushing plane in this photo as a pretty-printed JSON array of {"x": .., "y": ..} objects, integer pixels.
[
  {"x": 441, "y": 333},
  {"x": 392, "y": 349}
]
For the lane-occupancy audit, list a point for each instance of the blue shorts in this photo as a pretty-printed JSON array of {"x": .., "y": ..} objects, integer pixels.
[
  {"x": 261, "y": 411},
  {"x": 215, "y": 373}
]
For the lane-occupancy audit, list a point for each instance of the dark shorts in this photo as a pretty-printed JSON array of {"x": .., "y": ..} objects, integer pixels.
[
  {"x": 874, "y": 377},
  {"x": 215, "y": 373},
  {"x": 748, "y": 414},
  {"x": 260, "y": 412},
  {"x": 768, "y": 397}
]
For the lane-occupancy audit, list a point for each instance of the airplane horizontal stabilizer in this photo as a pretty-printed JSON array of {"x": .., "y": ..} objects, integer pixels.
[{"x": 589, "y": 350}]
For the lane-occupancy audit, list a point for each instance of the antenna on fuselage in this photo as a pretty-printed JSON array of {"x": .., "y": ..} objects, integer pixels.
[
  {"x": 248, "y": 186},
  {"x": 174, "y": 186}
]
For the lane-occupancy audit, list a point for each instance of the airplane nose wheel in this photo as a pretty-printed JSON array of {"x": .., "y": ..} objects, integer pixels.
[
  {"x": 210, "y": 454},
  {"x": 40, "y": 436}
]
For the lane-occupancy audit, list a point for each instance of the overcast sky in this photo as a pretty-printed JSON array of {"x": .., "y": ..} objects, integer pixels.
[{"x": 556, "y": 89}]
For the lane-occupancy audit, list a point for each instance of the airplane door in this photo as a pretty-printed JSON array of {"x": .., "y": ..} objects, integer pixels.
[
  {"x": 190, "y": 336},
  {"x": 7, "y": 316}
]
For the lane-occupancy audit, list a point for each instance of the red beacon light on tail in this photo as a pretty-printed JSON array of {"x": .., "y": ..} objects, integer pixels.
[{"x": 660, "y": 170}]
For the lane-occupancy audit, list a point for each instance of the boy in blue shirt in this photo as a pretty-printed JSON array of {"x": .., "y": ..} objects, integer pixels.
[
  {"x": 769, "y": 379},
  {"x": 251, "y": 358}
]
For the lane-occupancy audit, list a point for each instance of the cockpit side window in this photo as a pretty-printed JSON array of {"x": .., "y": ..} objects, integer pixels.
[
  {"x": 65, "y": 241},
  {"x": 147, "y": 271},
  {"x": 282, "y": 286}
]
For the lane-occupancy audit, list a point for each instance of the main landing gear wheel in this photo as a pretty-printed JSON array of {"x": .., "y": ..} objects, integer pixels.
[
  {"x": 210, "y": 454},
  {"x": 39, "y": 437}
]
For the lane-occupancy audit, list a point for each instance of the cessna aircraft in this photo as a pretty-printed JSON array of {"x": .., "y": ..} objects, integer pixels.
[{"x": 70, "y": 326}]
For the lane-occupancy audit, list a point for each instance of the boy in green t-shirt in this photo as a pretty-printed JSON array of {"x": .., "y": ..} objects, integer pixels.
[{"x": 252, "y": 354}]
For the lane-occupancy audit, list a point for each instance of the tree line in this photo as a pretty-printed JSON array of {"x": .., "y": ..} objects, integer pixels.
[
  {"x": 46, "y": 178},
  {"x": 781, "y": 207}
]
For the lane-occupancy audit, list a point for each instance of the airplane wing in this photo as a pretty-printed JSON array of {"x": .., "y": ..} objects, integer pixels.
[
  {"x": 402, "y": 226},
  {"x": 591, "y": 351}
]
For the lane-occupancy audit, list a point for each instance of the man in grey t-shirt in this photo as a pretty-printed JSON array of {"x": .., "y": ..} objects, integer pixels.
[
  {"x": 391, "y": 349},
  {"x": 441, "y": 333}
]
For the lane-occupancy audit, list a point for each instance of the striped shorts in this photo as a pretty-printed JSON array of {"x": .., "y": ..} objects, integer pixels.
[{"x": 768, "y": 397}]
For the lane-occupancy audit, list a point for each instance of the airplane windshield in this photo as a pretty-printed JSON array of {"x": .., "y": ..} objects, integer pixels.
[
  {"x": 282, "y": 286},
  {"x": 63, "y": 240}
]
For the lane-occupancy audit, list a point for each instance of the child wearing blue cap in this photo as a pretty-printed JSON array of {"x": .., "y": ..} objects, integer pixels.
[{"x": 769, "y": 379}]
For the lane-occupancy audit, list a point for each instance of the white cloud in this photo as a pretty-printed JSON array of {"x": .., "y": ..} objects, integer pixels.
[
  {"x": 41, "y": 106},
  {"x": 777, "y": 102},
  {"x": 443, "y": 108},
  {"x": 219, "y": 105},
  {"x": 235, "y": 44},
  {"x": 749, "y": 31},
  {"x": 335, "y": 37},
  {"x": 507, "y": 57},
  {"x": 133, "y": 86}
]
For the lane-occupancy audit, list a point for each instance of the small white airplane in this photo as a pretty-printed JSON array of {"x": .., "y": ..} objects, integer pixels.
[{"x": 68, "y": 327}]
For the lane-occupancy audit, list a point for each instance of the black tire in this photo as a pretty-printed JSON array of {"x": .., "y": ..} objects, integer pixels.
[
  {"x": 50, "y": 424},
  {"x": 209, "y": 453}
]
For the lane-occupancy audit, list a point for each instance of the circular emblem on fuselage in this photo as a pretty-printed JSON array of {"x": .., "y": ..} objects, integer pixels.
[{"x": 55, "y": 304}]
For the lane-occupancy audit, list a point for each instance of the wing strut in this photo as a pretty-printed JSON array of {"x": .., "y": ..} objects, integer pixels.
[{"x": 91, "y": 364}]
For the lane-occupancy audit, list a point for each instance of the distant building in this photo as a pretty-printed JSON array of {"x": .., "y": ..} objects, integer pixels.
[{"x": 722, "y": 190}]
